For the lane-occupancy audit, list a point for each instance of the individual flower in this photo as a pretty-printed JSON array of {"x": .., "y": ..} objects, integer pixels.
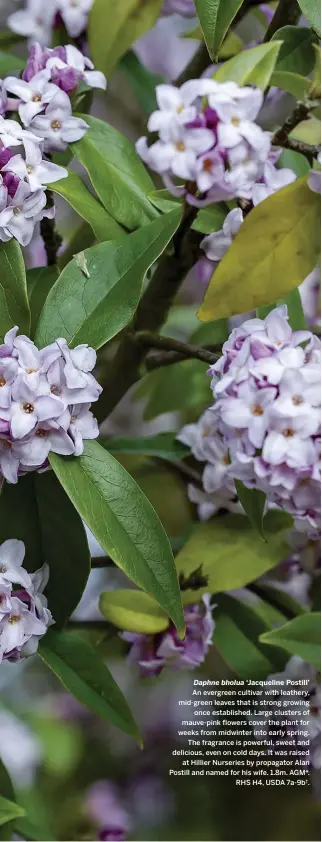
[
  {"x": 33, "y": 95},
  {"x": 57, "y": 127},
  {"x": 310, "y": 292},
  {"x": 68, "y": 66},
  {"x": 35, "y": 21},
  {"x": 267, "y": 399},
  {"x": 215, "y": 245},
  {"x": 208, "y": 138},
  {"x": 75, "y": 15},
  {"x": 47, "y": 395},
  {"x": 152, "y": 653},
  {"x": 272, "y": 179},
  {"x": 24, "y": 615},
  {"x": 104, "y": 806}
]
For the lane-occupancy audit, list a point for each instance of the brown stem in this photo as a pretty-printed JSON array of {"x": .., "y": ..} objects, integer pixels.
[
  {"x": 151, "y": 314},
  {"x": 152, "y": 340},
  {"x": 300, "y": 113},
  {"x": 51, "y": 238},
  {"x": 287, "y": 13}
]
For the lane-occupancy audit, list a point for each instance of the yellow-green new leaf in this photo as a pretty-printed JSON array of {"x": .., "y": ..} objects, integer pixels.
[
  {"x": 133, "y": 611},
  {"x": 114, "y": 26},
  {"x": 253, "y": 66},
  {"x": 277, "y": 246}
]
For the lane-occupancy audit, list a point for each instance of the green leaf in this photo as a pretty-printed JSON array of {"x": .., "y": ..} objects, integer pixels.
[
  {"x": 231, "y": 46},
  {"x": 281, "y": 600},
  {"x": 14, "y": 306},
  {"x": 257, "y": 270},
  {"x": 39, "y": 283},
  {"x": 163, "y": 446},
  {"x": 309, "y": 131},
  {"x": 84, "y": 203},
  {"x": 116, "y": 172},
  {"x": 231, "y": 551},
  {"x": 9, "y": 38},
  {"x": 123, "y": 522},
  {"x": 6, "y": 791},
  {"x": 315, "y": 91},
  {"x": 211, "y": 333},
  {"x": 9, "y": 811},
  {"x": 296, "y": 54},
  {"x": 294, "y": 84},
  {"x": 253, "y": 503},
  {"x": 295, "y": 161},
  {"x": 215, "y": 17},
  {"x": 142, "y": 81},
  {"x": 293, "y": 302},
  {"x": 65, "y": 547},
  {"x": 166, "y": 389},
  {"x": 312, "y": 11},
  {"x": 211, "y": 218},
  {"x": 251, "y": 66},
  {"x": 237, "y": 637},
  {"x": 301, "y": 637},
  {"x": 10, "y": 64},
  {"x": 38, "y": 512},
  {"x": 97, "y": 293},
  {"x": 113, "y": 27},
  {"x": 133, "y": 611},
  {"x": 196, "y": 33},
  {"x": 79, "y": 668}
]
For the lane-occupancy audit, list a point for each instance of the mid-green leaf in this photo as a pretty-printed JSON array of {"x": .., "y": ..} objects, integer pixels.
[
  {"x": 116, "y": 172},
  {"x": 113, "y": 27},
  {"x": 301, "y": 637},
  {"x": 9, "y": 811},
  {"x": 215, "y": 17},
  {"x": 312, "y": 11},
  {"x": 14, "y": 305},
  {"x": 277, "y": 246},
  {"x": 97, "y": 293},
  {"x": 123, "y": 522},
  {"x": 80, "y": 669},
  {"x": 84, "y": 203}
]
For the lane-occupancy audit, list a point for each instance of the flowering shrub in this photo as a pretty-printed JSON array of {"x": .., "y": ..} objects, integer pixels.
[{"x": 159, "y": 392}]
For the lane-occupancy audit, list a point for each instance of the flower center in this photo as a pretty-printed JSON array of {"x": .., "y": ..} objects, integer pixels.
[
  {"x": 32, "y": 370},
  {"x": 257, "y": 409},
  {"x": 3, "y": 569},
  {"x": 29, "y": 169},
  {"x": 72, "y": 419},
  {"x": 14, "y": 618},
  {"x": 2, "y": 380},
  {"x": 54, "y": 390},
  {"x": 207, "y": 165},
  {"x": 235, "y": 121},
  {"x": 56, "y": 125},
  {"x": 226, "y": 459},
  {"x": 288, "y": 433},
  {"x": 36, "y": 98},
  {"x": 17, "y": 211},
  {"x": 180, "y": 146},
  {"x": 29, "y": 408},
  {"x": 42, "y": 433},
  {"x": 179, "y": 109},
  {"x": 297, "y": 400}
]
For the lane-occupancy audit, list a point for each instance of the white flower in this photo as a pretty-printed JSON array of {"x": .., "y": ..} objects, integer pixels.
[
  {"x": 57, "y": 126},
  {"x": 273, "y": 179},
  {"x": 35, "y": 95},
  {"x": 26, "y": 208},
  {"x": 215, "y": 245},
  {"x": 176, "y": 105},
  {"x": 12, "y": 553},
  {"x": 35, "y": 169},
  {"x": 180, "y": 153},
  {"x": 36, "y": 21},
  {"x": 30, "y": 407},
  {"x": 82, "y": 64},
  {"x": 237, "y": 109},
  {"x": 75, "y": 15}
]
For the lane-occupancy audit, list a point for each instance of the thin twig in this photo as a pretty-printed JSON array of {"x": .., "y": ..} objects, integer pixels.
[
  {"x": 310, "y": 152},
  {"x": 52, "y": 240},
  {"x": 166, "y": 343},
  {"x": 287, "y": 13},
  {"x": 301, "y": 112}
]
